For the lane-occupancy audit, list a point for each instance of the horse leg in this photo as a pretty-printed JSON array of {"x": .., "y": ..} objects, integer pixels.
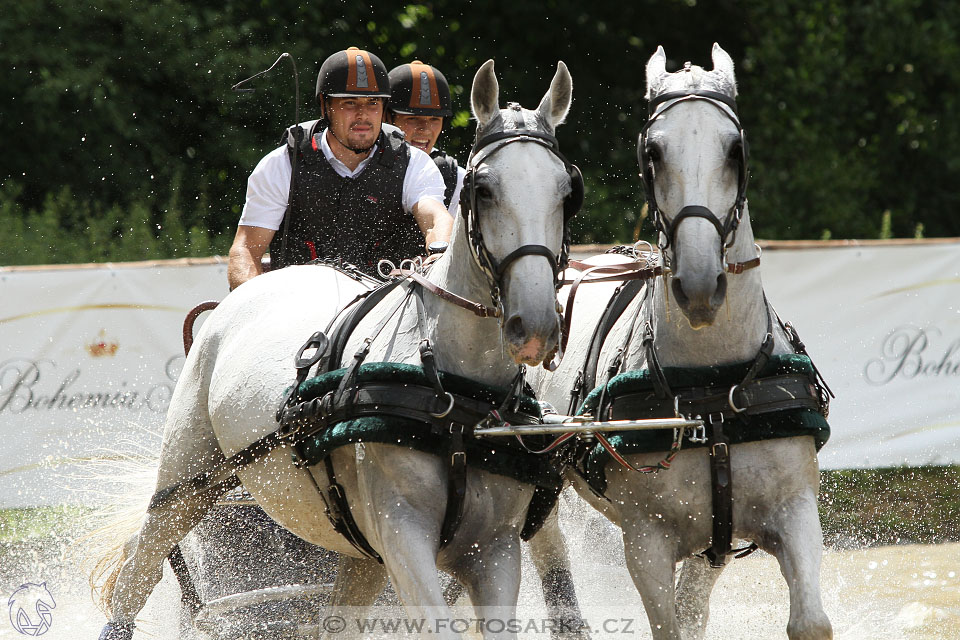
[
  {"x": 359, "y": 582},
  {"x": 697, "y": 579},
  {"x": 189, "y": 446},
  {"x": 163, "y": 527},
  {"x": 651, "y": 552},
  {"x": 492, "y": 579},
  {"x": 798, "y": 546},
  {"x": 549, "y": 552},
  {"x": 398, "y": 499}
]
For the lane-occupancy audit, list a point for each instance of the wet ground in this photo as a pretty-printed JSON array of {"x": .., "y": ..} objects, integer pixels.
[{"x": 909, "y": 592}]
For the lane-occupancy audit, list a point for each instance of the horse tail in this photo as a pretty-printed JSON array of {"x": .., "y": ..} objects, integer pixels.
[{"x": 114, "y": 526}]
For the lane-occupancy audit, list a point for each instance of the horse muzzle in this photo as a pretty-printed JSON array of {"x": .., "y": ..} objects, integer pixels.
[
  {"x": 700, "y": 298},
  {"x": 531, "y": 340}
]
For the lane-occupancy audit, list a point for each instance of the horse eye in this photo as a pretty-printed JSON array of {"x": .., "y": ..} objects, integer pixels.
[
  {"x": 653, "y": 153},
  {"x": 483, "y": 192},
  {"x": 736, "y": 152}
]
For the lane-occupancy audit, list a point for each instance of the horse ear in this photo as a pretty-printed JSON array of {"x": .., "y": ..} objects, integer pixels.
[
  {"x": 485, "y": 94},
  {"x": 723, "y": 65},
  {"x": 556, "y": 101},
  {"x": 656, "y": 69}
]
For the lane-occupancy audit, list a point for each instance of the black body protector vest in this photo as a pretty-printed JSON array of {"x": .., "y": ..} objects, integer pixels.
[
  {"x": 448, "y": 169},
  {"x": 357, "y": 220}
]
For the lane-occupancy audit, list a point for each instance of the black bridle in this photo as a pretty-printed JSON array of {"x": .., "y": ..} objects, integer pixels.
[
  {"x": 488, "y": 141},
  {"x": 668, "y": 228}
]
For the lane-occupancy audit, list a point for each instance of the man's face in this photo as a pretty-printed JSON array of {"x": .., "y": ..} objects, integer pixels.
[
  {"x": 420, "y": 131},
  {"x": 355, "y": 120}
]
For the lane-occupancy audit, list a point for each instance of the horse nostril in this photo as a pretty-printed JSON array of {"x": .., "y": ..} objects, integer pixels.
[
  {"x": 720, "y": 294},
  {"x": 514, "y": 330},
  {"x": 679, "y": 294}
]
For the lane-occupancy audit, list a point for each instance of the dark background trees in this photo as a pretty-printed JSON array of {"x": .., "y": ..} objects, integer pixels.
[{"x": 123, "y": 140}]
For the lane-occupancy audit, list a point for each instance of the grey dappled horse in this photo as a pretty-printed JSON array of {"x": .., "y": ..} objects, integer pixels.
[
  {"x": 709, "y": 310},
  {"x": 240, "y": 365}
]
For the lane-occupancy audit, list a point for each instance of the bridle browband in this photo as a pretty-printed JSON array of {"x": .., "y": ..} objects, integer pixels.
[
  {"x": 666, "y": 227},
  {"x": 487, "y": 144}
]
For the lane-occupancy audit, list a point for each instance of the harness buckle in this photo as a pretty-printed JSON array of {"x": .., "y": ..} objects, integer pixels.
[{"x": 715, "y": 450}]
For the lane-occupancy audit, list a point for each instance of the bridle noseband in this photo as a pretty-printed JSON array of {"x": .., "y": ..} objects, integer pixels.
[
  {"x": 488, "y": 143},
  {"x": 666, "y": 227}
]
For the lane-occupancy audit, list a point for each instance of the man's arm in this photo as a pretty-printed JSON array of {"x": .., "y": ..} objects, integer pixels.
[
  {"x": 247, "y": 250},
  {"x": 434, "y": 220}
]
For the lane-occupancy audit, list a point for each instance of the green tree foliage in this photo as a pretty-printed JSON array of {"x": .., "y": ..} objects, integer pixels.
[{"x": 122, "y": 131}]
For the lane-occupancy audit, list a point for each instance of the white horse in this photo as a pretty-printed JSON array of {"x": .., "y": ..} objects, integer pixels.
[
  {"x": 235, "y": 376},
  {"x": 707, "y": 309}
]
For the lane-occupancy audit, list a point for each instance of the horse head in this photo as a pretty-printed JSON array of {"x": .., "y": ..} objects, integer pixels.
[
  {"x": 517, "y": 198},
  {"x": 693, "y": 156}
]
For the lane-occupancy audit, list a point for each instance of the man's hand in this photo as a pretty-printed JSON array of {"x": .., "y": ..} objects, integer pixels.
[
  {"x": 247, "y": 250},
  {"x": 434, "y": 221}
]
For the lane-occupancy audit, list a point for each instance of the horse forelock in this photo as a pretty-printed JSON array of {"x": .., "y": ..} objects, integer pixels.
[
  {"x": 504, "y": 121},
  {"x": 695, "y": 79}
]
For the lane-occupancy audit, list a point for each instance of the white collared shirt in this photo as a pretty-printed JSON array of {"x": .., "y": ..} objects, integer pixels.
[{"x": 269, "y": 185}]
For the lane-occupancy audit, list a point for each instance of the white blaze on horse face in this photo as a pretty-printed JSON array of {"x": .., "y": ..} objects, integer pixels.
[
  {"x": 692, "y": 143},
  {"x": 527, "y": 185}
]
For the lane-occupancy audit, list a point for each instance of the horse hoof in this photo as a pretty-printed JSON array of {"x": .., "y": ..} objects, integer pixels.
[{"x": 117, "y": 631}]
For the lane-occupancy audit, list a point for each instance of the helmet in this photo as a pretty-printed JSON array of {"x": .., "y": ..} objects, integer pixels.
[
  {"x": 353, "y": 72},
  {"x": 420, "y": 90}
]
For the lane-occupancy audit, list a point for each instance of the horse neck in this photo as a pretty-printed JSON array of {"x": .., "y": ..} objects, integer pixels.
[
  {"x": 464, "y": 343},
  {"x": 736, "y": 334}
]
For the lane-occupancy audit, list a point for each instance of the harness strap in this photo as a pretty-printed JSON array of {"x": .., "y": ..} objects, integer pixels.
[
  {"x": 721, "y": 477},
  {"x": 762, "y": 395},
  {"x": 474, "y": 307},
  {"x": 338, "y": 511},
  {"x": 456, "y": 452},
  {"x": 456, "y": 484},
  {"x": 616, "y": 306},
  {"x": 383, "y": 398},
  {"x": 660, "y": 384}
]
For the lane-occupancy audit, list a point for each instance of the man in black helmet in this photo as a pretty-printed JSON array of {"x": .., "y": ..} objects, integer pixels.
[
  {"x": 360, "y": 193},
  {"x": 420, "y": 106}
]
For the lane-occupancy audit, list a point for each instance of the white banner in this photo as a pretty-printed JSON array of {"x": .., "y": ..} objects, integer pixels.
[
  {"x": 883, "y": 325},
  {"x": 88, "y": 360},
  {"x": 89, "y": 357}
]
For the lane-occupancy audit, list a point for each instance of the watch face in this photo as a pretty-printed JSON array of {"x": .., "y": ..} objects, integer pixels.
[{"x": 438, "y": 247}]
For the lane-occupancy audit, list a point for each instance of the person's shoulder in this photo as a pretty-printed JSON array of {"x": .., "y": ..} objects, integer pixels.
[
  {"x": 275, "y": 157},
  {"x": 419, "y": 155},
  {"x": 309, "y": 127}
]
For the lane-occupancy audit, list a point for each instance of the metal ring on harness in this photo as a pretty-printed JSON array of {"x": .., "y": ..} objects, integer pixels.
[
  {"x": 448, "y": 410},
  {"x": 735, "y": 408},
  {"x": 637, "y": 252},
  {"x": 410, "y": 265},
  {"x": 388, "y": 263}
]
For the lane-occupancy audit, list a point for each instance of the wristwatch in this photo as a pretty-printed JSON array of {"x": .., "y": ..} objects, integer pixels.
[{"x": 437, "y": 246}]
